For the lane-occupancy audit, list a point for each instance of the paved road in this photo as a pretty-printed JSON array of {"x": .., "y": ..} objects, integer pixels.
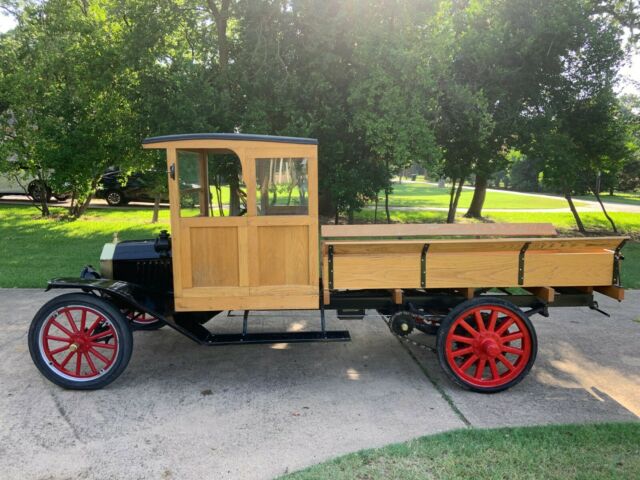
[{"x": 254, "y": 412}]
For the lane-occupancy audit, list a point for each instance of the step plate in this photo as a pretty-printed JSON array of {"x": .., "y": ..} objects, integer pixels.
[{"x": 278, "y": 337}]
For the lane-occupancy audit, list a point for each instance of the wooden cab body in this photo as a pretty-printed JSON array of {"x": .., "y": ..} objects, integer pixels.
[{"x": 244, "y": 221}]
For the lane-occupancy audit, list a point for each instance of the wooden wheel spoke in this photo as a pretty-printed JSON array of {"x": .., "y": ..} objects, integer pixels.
[
  {"x": 99, "y": 355},
  {"x": 58, "y": 350},
  {"x": 83, "y": 320},
  {"x": 505, "y": 362},
  {"x": 103, "y": 345},
  {"x": 494, "y": 369},
  {"x": 470, "y": 361},
  {"x": 92, "y": 366},
  {"x": 462, "y": 351},
  {"x": 106, "y": 333},
  {"x": 480, "y": 370},
  {"x": 492, "y": 321},
  {"x": 64, "y": 329},
  {"x": 57, "y": 339},
  {"x": 505, "y": 326},
  {"x": 512, "y": 337},
  {"x": 71, "y": 321},
  {"x": 513, "y": 350},
  {"x": 479, "y": 321},
  {"x": 461, "y": 339},
  {"x": 78, "y": 363},
  {"x": 94, "y": 324},
  {"x": 469, "y": 328},
  {"x": 66, "y": 359}
]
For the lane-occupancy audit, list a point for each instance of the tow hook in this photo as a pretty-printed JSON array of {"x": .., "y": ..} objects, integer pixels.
[{"x": 595, "y": 306}]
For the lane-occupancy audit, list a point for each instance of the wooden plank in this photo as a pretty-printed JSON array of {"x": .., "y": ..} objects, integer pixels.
[
  {"x": 435, "y": 229},
  {"x": 546, "y": 294},
  {"x": 249, "y": 302},
  {"x": 568, "y": 268},
  {"x": 397, "y": 294},
  {"x": 617, "y": 293},
  {"x": 468, "y": 293},
  {"x": 326, "y": 297}
]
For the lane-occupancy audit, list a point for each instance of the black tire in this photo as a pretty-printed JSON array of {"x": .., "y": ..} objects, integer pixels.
[
  {"x": 528, "y": 345},
  {"x": 109, "y": 322},
  {"x": 115, "y": 198},
  {"x": 62, "y": 198},
  {"x": 36, "y": 188}
]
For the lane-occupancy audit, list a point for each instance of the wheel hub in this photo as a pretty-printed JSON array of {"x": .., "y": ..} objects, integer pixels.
[{"x": 489, "y": 347}]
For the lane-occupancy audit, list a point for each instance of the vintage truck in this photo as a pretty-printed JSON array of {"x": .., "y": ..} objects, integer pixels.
[{"x": 245, "y": 236}]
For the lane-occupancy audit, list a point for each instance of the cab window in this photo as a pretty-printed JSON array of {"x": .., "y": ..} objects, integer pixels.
[
  {"x": 211, "y": 184},
  {"x": 282, "y": 186}
]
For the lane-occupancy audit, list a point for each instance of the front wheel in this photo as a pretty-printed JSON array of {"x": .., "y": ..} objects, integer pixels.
[
  {"x": 486, "y": 345},
  {"x": 80, "y": 341}
]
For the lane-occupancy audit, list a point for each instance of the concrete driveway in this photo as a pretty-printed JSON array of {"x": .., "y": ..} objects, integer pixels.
[{"x": 185, "y": 411}]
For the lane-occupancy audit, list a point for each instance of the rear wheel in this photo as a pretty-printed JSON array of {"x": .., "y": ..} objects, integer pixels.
[
  {"x": 80, "y": 342},
  {"x": 143, "y": 321},
  {"x": 486, "y": 345},
  {"x": 37, "y": 190}
]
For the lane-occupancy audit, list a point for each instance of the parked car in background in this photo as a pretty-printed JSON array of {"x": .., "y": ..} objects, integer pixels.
[
  {"x": 137, "y": 188},
  {"x": 15, "y": 184}
]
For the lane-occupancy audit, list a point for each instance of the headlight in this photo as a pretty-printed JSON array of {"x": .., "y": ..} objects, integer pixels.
[{"x": 106, "y": 260}]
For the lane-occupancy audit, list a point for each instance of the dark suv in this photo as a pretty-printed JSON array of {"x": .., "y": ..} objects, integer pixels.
[{"x": 138, "y": 188}]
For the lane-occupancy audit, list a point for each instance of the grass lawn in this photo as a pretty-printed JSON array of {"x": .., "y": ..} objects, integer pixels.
[
  {"x": 549, "y": 452},
  {"x": 37, "y": 249},
  {"x": 631, "y": 198},
  {"x": 424, "y": 195}
]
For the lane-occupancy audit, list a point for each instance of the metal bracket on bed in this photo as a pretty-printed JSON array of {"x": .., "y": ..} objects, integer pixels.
[
  {"x": 617, "y": 256},
  {"x": 523, "y": 250},
  {"x": 330, "y": 266},
  {"x": 423, "y": 265}
]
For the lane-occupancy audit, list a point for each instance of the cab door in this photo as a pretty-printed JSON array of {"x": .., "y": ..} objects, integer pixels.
[
  {"x": 283, "y": 230},
  {"x": 245, "y": 230}
]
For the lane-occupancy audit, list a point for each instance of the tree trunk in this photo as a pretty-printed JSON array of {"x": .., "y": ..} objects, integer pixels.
[
  {"x": 454, "y": 198},
  {"x": 386, "y": 205},
  {"x": 375, "y": 211},
  {"x": 604, "y": 210},
  {"x": 221, "y": 17},
  {"x": 156, "y": 208},
  {"x": 576, "y": 216},
  {"x": 479, "y": 195},
  {"x": 350, "y": 216},
  {"x": 78, "y": 210},
  {"x": 337, "y": 217}
]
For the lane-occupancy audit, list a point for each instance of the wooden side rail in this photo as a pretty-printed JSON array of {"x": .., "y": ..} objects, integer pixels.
[
  {"x": 439, "y": 230},
  {"x": 530, "y": 263}
]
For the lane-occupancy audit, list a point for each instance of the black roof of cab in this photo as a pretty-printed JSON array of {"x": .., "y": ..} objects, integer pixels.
[{"x": 229, "y": 136}]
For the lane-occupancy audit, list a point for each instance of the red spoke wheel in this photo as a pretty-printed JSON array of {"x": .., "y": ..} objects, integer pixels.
[
  {"x": 143, "y": 320},
  {"x": 487, "y": 345},
  {"x": 80, "y": 341}
]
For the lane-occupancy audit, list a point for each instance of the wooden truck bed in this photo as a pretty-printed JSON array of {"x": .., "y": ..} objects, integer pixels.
[{"x": 380, "y": 262}]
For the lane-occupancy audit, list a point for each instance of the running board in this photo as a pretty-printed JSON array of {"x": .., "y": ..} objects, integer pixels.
[
  {"x": 192, "y": 329},
  {"x": 278, "y": 337}
]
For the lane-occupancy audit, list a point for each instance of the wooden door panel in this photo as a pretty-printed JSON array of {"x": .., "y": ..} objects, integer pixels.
[
  {"x": 283, "y": 255},
  {"x": 214, "y": 257}
]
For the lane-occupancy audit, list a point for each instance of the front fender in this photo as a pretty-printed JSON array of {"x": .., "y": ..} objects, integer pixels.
[{"x": 125, "y": 294}]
